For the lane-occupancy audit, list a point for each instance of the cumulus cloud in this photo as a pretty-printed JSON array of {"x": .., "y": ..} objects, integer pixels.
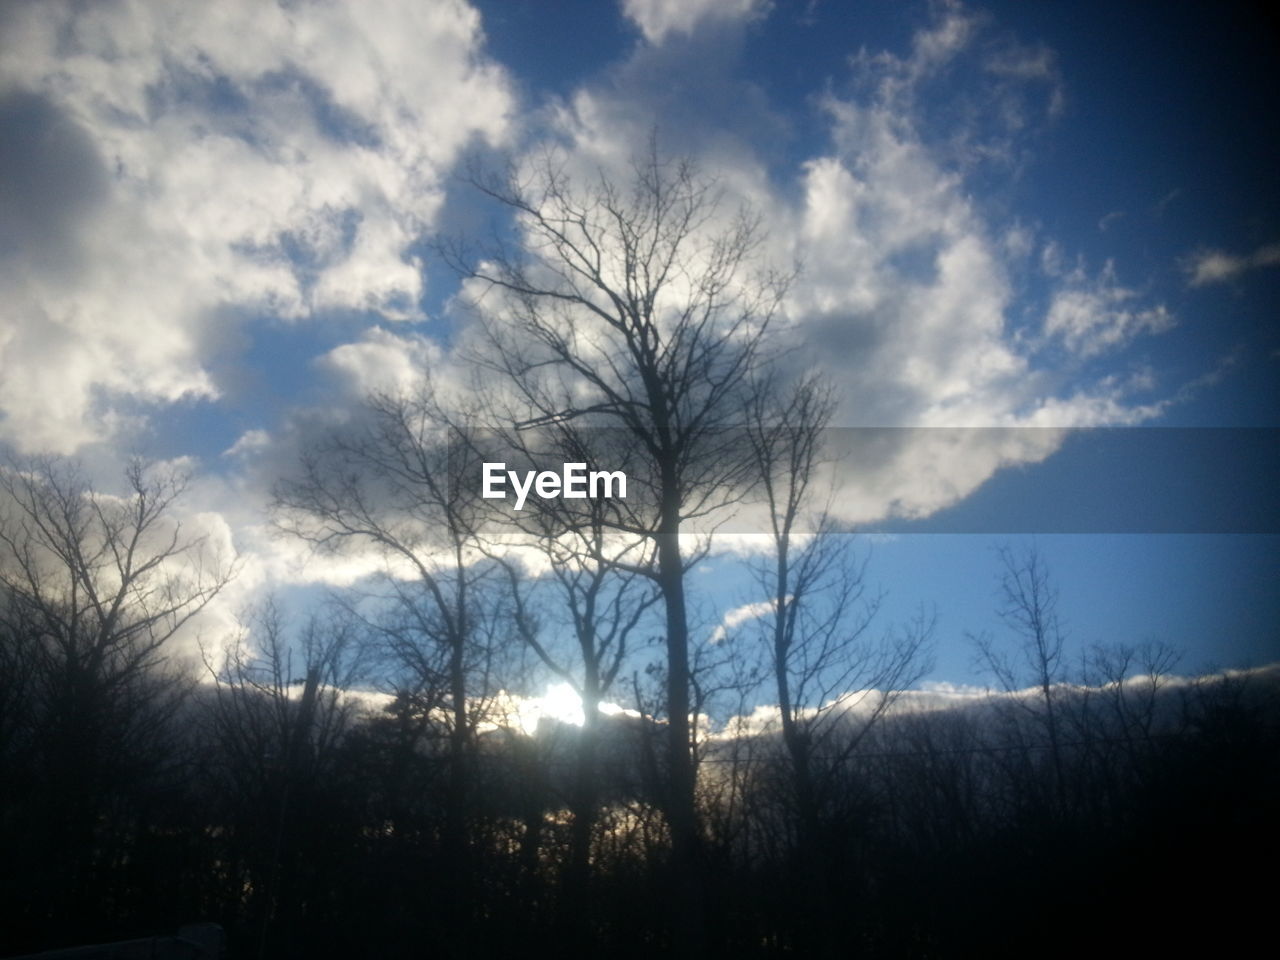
[
  {"x": 657, "y": 19},
  {"x": 902, "y": 276},
  {"x": 1206, "y": 267},
  {"x": 383, "y": 361},
  {"x": 915, "y": 287},
  {"x": 201, "y": 162},
  {"x": 912, "y": 295}
]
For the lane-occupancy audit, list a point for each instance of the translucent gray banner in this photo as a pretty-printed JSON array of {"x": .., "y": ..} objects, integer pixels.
[{"x": 894, "y": 480}]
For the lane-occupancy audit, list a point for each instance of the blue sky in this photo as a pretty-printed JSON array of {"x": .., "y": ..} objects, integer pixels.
[{"x": 215, "y": 225}]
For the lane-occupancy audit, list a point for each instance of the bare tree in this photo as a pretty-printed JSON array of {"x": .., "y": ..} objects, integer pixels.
[
  {"x": 1120, "y": 714},
  {"x": 832, "y": 678},
  {"x": 600, "y": 607},
  {"x": 1028, "y": 605},
  {"x": 635, "y": 307},
  {"x": 1131, "y": 678},
  {"x": 398, "y": 482},
  {"x": 104, "y": 581},
  {"x": 287, "y": 702},
  {"x": 93, "y": 589},
  {"x": 95, "y": 585},
  {"x": 280, "y": 712}
]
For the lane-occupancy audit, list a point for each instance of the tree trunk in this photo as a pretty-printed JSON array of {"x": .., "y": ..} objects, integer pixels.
[{"x": 686, "y": 889}]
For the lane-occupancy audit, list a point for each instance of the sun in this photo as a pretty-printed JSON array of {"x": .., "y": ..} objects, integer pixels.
[{"x": 561, "y": 702}]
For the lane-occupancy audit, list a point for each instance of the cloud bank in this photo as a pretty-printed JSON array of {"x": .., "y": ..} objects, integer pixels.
[{"x": 190, "y": 165}]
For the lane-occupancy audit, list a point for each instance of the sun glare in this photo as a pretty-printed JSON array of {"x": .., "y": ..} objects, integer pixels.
[{"x": 560, "y": 702}]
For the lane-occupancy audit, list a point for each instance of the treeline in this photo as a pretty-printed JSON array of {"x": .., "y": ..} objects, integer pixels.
[{"x": 309, "y": 820}]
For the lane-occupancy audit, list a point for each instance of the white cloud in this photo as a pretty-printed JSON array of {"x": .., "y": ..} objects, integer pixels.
[
  {"x": 658, "y": 19},
  {"x": 1093, "y": 315},
  {"x": 1216, "y": 266},
  {"x": 911, "y": 474},
  {"x": 382, "y": 361},
  {"x": 242, "y": 156},
  {"x": 738, "y": 616},
  {"x": 248, "y": 443},
  {"x": 904, "y": 279},
  {"x": 911, "y": 295}
]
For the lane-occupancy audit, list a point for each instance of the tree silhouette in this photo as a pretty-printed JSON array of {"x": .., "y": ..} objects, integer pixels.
[
  {"x": 1028, "y": 605},
  {"x": 399, "y": 483},
  {"x": 93, "y": 589},
  {"x": 832, "y": 679},
  {"x": 600, "y": 608},
  {"x": 635, "y": 306},
  {"x": 280, "y": 716}
]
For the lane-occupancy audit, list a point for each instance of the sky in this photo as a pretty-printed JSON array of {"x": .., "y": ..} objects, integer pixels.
[{"x": 1061, "y": 221}]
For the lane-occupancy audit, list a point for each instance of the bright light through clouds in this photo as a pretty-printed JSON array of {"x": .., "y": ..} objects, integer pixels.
[{"x": 560, "y": 703}]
